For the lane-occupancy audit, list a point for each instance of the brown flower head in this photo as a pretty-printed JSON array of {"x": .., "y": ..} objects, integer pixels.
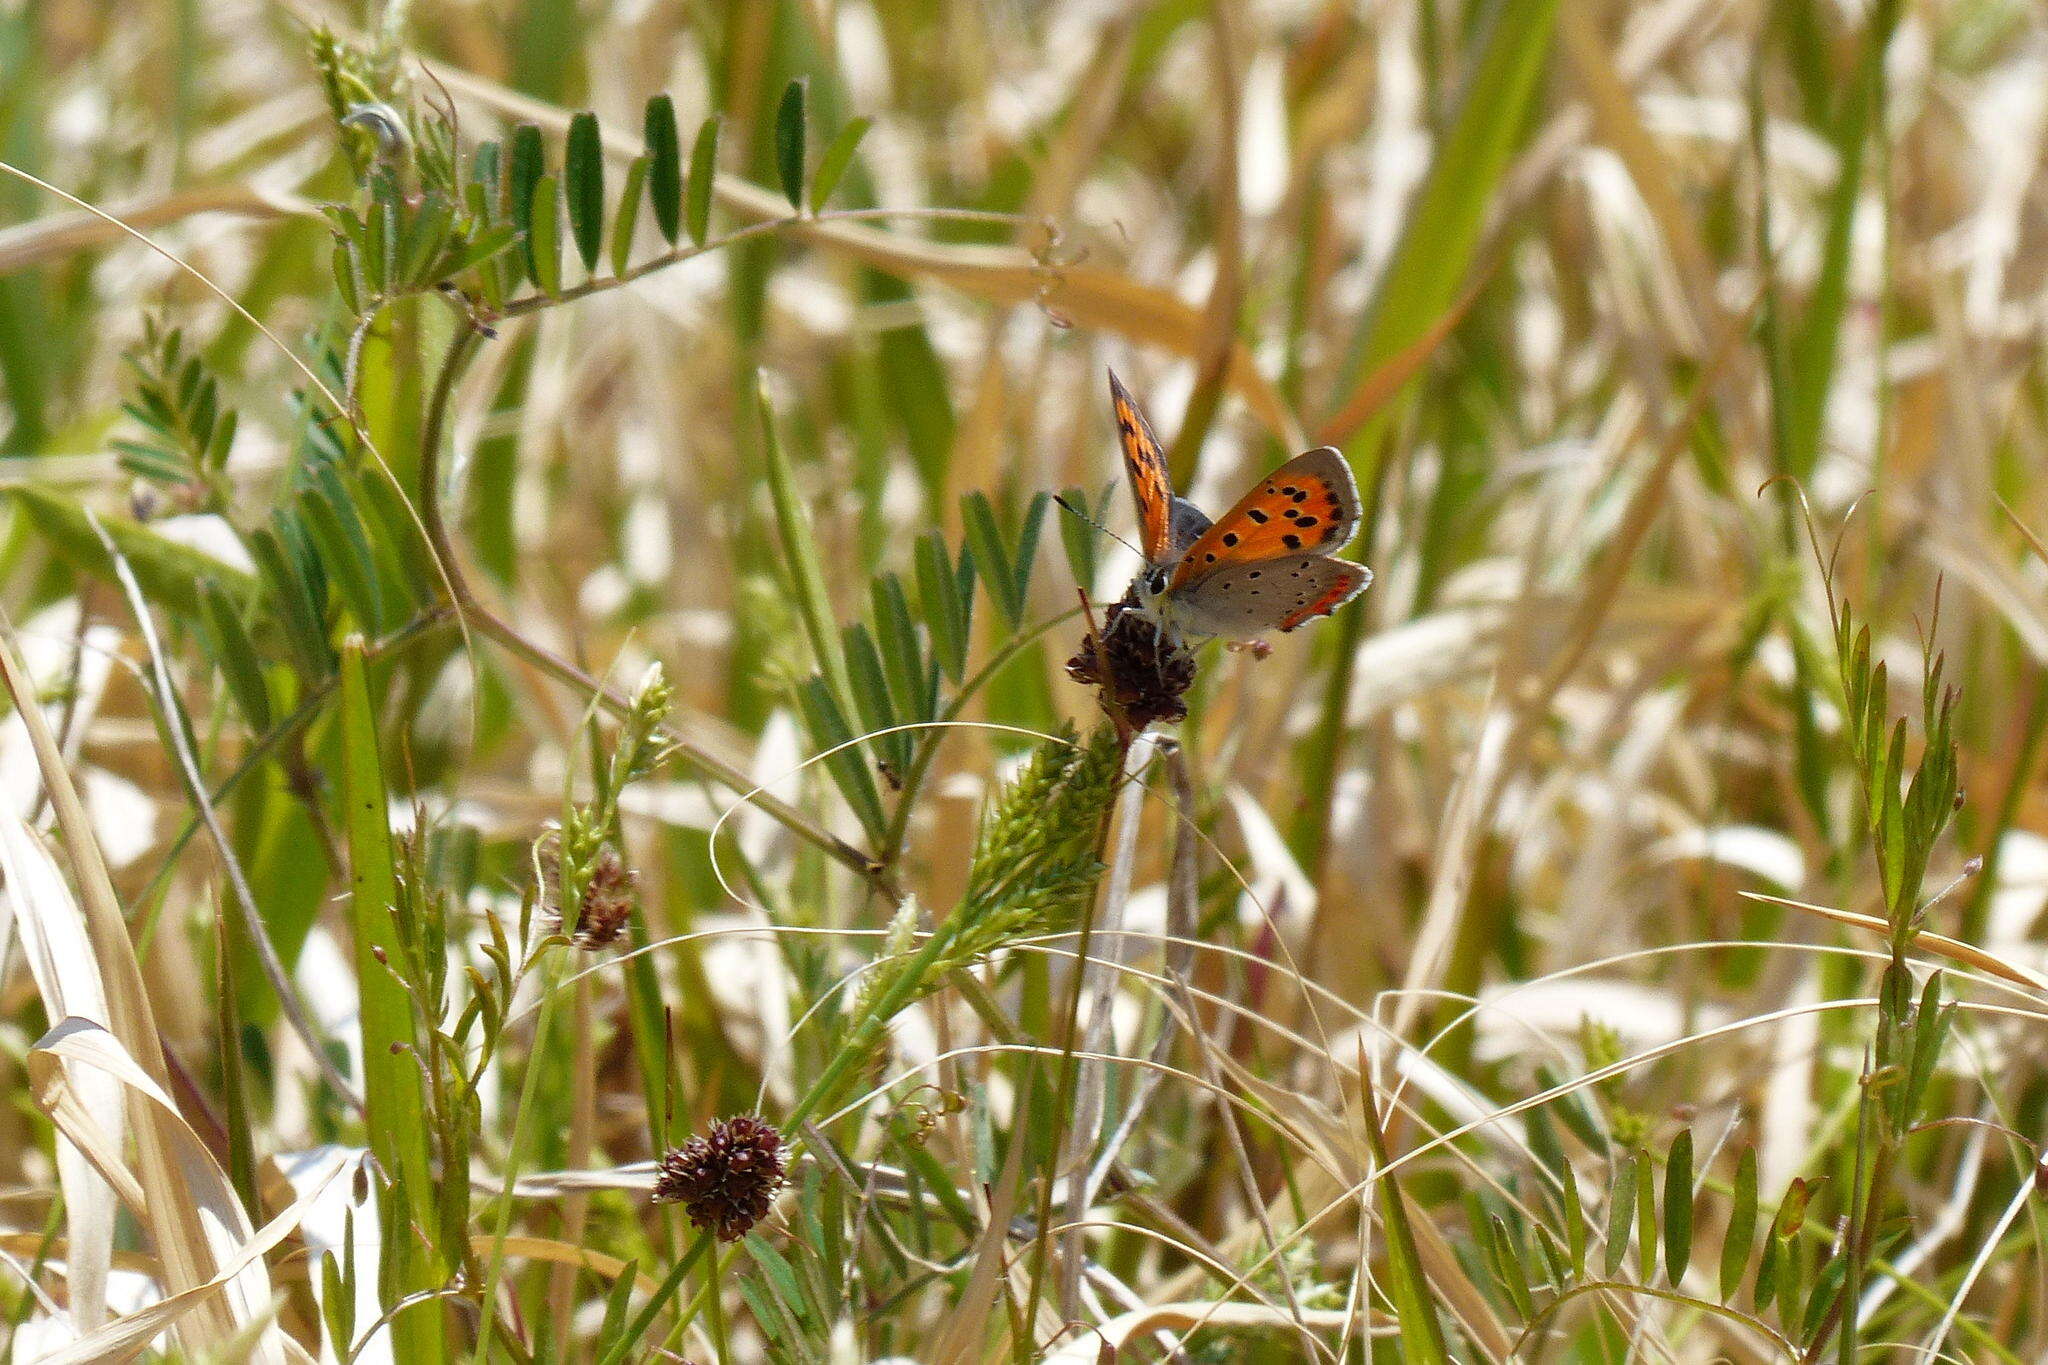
[
  {"x": 726, "y": 1179},
  {"x": 1139, "y": 671}
]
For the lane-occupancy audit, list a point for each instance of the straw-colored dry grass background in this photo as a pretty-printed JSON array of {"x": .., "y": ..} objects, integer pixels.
[{"x": 1659, "y": 335}]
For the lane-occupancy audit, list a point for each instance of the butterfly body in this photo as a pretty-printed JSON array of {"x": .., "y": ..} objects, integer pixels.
[{"x": 1263, "y": 565}]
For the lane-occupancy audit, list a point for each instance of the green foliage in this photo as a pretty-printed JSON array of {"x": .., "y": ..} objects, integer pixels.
[
  {"x": 1033, "y": 868},
  {"x": 187, "y": 433}
]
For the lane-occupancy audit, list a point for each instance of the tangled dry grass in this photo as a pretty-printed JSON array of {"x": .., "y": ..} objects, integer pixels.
[{"x": 1554, "y": 956}]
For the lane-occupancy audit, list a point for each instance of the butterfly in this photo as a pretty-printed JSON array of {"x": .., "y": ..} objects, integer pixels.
[{"x": 1263, "y": 565}]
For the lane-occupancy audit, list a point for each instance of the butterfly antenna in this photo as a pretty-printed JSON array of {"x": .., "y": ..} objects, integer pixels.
[{"x": 1083, "y": 515}]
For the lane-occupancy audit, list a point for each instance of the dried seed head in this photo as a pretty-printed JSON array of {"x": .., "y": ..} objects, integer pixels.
[
  {"x": 611, "y": 890},
  {"x": 1140, "y": 673},
  {"x": 726, "y": 1179},
  {"x": 608, "y": 899}
]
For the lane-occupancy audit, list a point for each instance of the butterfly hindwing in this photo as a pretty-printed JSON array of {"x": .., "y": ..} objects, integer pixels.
[
  {"x": 1308, "y": 506},
  {"x": 1241, "y": 600},
  {"x": 1145, "y": 463}
]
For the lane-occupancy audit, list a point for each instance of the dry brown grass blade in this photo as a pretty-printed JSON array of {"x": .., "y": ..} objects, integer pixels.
[
  {"x": 182, "y": 1234},
  {"x": 60, "y": 959},
  {"x": 238, "y": 1287},
  {"x": 1226, "y": 290},
  {"x": 2033, "y": 541},
  {"x": 1617, "y": 123},
  {"x": 1480, "y": 788},
  {"x": 967, "y": 1326},
  {"x": 562, "y": 1253},
  {"x": 1118, "y": 1332},
  {"x": 1378, "y": 388},
  {"x": 1955, "y": 950},
  {"x": 65, "y": 234},
  {"x": 1091, "y": 1086},
  {"x": 1084, "y": 295}
]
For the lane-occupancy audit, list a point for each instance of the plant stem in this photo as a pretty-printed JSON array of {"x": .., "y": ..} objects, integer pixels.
[
  {"x": 715, "y": 1309},
  {"x": 550, "y": 974}
]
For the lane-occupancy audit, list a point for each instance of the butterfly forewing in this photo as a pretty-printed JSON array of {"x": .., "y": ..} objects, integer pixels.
[
  {"x": 1145, "y": 463},
  {"x": 1307, "y": 506},
  {"x": 1238, "y": 601}
]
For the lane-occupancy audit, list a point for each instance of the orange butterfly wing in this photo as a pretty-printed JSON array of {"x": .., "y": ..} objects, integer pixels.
[
  {"x": 1307, "y": 506},
  {"x": 1145, "y": 463}
]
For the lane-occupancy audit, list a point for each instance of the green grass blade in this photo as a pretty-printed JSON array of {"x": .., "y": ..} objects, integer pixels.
[
  {"x": 1422, "y": 1336},
  {"x": 801, "y": 564},
  {"x": 391, "y": 1076}
]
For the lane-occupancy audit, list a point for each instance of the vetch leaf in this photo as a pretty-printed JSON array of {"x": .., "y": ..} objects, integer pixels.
[
  {"x": 348, "y": 277},
  {"x": 947, "y": 611},
  {"x": 1741, "y": 1225},
  {"x": 543, "y": 238},
  {"x": 703, "y": 175},
  {"x": 238, "y": 662},
  {"x": 1508, "y": 1269},
  {"x": 346, "y": 551},
  {"x": 1767, "y": 1272},
  {"x": 1678, "y": 1206},
  {"x": 1621, "y": 1209},
  {"x": 838, "y": 156},
  {"x": 426, "y": 236},
  {"x": 522, "y": 177},
  {"x": 985, "y": 539},
  {"x": 1574, "y": 1221},
  {"x": 1646, "y": 1219},
  {"x": 298, "y": 612},
  {"x": 583, "y": 182},
  {"x": 664, "y": 167},
  {"x": 790, "y": 122},
  {"x": 849, "y": 764},
  {"x": 871, "y": 697},
  {"x": 629, "y": 215},
  {"x": 1078, "y": 536},
  {"x": 903, "y": 659}
]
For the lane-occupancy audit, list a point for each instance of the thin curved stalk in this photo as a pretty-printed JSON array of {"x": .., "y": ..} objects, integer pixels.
[{"x": 490, "y": 624}]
